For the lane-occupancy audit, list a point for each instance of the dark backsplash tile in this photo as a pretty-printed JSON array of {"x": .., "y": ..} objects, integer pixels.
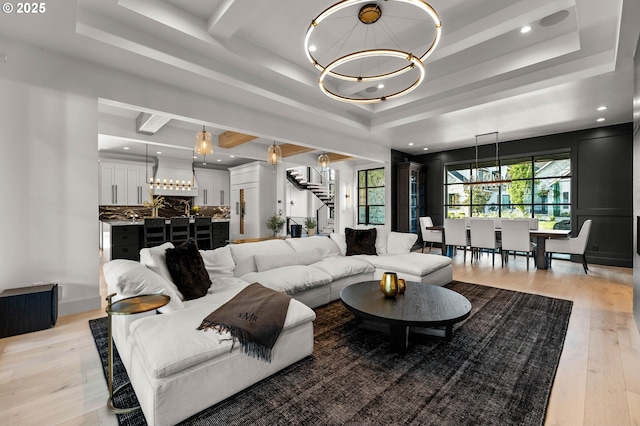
[{"x": 174, "y": 206}]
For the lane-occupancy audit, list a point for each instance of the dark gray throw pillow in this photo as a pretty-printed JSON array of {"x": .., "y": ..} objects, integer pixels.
[
  {"x": 187, "y": 270},
  {"x": 360, "y": 241}
]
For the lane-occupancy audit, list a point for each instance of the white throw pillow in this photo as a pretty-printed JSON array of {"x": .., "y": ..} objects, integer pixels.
[
  {"x": 129, "y": 278},
  {"x": 400, "y": 242},
  {"x": 341, "y": 241},
  {"x": 267, "y": 262},
  {"x": 218, "y": 262},
  {"x": 155, "y": 258}
]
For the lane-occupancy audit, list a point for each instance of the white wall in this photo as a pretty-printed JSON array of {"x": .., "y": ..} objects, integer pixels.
[
  {"x": 48, "y": 170},
  {"x": 345, "y": 210}
]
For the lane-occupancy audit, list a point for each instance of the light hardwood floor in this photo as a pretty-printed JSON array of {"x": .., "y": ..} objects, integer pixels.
[{"x": 54, "y": 377}]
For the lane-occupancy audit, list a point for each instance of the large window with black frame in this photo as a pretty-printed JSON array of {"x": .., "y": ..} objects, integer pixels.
[
  {"x": 535, "y": 186},
  {"x": 371, "y": 197}
]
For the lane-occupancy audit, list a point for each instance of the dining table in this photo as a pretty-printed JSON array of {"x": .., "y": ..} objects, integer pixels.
[{"x": 541, "y": 236}]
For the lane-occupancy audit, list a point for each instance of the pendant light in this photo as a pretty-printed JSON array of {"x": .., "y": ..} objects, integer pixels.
[
  {"x": 204, "y": 145},
  {"x": 274, "y": 154},
  {"x": 324, "y": 160}
]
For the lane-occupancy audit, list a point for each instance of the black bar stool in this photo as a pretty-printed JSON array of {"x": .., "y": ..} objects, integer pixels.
[
  {"x": 179, "y": 230},
  {"x": 202, "y": 232},
  {"x": 155, "y": 232}
]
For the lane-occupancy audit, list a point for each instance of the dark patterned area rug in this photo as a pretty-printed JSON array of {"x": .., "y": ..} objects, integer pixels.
[{"x": 498, "y": 369}]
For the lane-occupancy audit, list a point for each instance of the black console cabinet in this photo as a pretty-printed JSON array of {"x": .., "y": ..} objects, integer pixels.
[{"x": 27, "y": 309}]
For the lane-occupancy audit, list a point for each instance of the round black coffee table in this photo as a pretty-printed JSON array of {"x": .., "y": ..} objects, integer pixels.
[{"x": 421, "y": 307}]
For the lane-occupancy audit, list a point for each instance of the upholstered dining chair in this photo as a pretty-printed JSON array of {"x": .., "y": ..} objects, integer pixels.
[
  {"x": 576, "y": 245},
  {"x": 483, "y": 236},
  {"x": 515, "y": 237},
  {"x": 429, "y": 235},
  {"x": 455, "y": 235}
]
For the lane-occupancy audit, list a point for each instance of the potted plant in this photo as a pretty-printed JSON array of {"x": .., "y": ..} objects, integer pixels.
[
  {"x": 310, "y": 223},
  {"x": 275, "y": 222}
]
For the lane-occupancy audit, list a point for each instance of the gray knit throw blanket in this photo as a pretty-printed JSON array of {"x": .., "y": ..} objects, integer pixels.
[{"x": 254, "y": 317}]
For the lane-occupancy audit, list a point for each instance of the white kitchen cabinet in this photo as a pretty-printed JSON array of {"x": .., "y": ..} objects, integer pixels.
[
  {"x": 253, "y": 200},
  {"x": 123, "y": 183},
  {"x": 221, "y": 189},
  {"x": 137, "y": 186},
  {"x": 113, "y": 184},
  {"x": 213, "y": 187}
]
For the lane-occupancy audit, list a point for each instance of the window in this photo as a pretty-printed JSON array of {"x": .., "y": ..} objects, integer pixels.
[
  {"x": 540, "y": 187},
  {"x": 371, "y": 197}
]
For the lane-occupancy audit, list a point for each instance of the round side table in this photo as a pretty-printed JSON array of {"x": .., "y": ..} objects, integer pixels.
[{"x": 128, "y": 306}]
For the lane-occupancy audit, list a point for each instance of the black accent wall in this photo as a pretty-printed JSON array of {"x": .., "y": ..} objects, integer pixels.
[{"x": 602, "y": 184}]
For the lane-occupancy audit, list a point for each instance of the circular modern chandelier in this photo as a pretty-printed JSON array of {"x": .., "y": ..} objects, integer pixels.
[{"x": 370, "y": 37}]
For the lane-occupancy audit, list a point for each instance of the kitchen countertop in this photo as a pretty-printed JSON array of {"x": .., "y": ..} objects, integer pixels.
[{"x": 116, "y": 222}]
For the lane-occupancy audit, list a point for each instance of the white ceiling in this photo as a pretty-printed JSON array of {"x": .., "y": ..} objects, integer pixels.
[{"x": 485, "y": 75}]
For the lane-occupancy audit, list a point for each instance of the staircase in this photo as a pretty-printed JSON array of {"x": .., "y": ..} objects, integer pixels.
[
  {"x": 324, "y": 216},
  {"x": 320, "y": 190}
]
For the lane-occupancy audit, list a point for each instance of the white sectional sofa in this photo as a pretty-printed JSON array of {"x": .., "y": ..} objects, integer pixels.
[{"x": 177, "y": 371}]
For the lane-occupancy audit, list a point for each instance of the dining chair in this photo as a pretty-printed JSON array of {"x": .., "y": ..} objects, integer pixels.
[
  {"x": 576, "y": 245},
  {"x": 429, "y": 235},
  {"x": 483, "y": 236},
  {"x": 515, "y": 237},
  {"x": 455, "y": 235},
  {"x": 532, "y": 221},
  {"x": 155, "y": 232}
]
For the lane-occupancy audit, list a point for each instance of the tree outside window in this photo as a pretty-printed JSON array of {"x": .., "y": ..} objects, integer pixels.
[
  {"x": 540, "y": 186},
  {"x": 371, "y": 197}
]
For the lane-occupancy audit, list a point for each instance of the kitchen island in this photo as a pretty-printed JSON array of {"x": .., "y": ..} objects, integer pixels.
[{"x": 123, "y": 239}]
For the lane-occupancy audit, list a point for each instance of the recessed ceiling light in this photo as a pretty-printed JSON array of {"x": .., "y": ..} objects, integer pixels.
[
  {"x": 410, "y": 143},
  {"x": 232, "y": 156},
  {"x": 158, "y": 152},
  {"x": 600, "y": 119},
  {"x": 525, "y": 29},
  {"x": 195, "y": 156},
  {"x": 425, "y": 149},
  {"x": 602, "y": 108},
  {"x": 218, "y": 160},
  {"x": 126, "y": 148},
  {"x": 313, "y": 48},
  {"x": 380, "y": 86}
]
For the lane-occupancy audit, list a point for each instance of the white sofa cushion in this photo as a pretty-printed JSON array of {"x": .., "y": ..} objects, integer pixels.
[
  {"x": 129, "y": 278},
  {"x": 326, "y": 246},
  {"x": 218, "y": 262},
  {"x": 171, "y": 343},
  {"x": 400, "y": 242},
  {"x": 243, "y": 254},
  {"x": 341, "y": 266},
  {"x": 155, "y": 258},
  {"x": 266, "y": 262},
  {"x": 411, "y": 263},
  {"x": 290, "y": 279}
]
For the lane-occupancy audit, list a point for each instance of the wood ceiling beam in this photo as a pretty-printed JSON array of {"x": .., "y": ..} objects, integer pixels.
[
  {"x": 289, "y": 149},
  {"x": 231, "y": 139},
  {"x": 337, "y": 157}
]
